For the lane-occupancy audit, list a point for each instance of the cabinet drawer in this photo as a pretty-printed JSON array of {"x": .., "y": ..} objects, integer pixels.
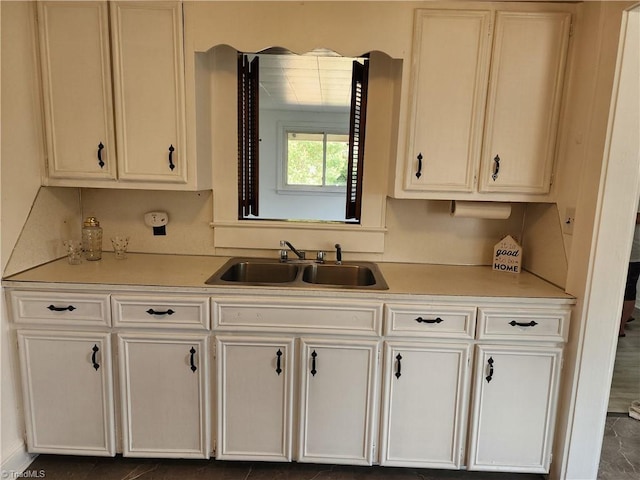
[
  {"x": 60, "y": 308},
  {"x": 429, "y": 320},
  {"x": 317, "y": 316},
  {"x": 182, "y": 312},
  {"x": 523, "y": 324}
]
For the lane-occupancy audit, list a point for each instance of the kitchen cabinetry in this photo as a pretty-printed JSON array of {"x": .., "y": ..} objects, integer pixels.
[
  {"x": 336, "y": 427},
  {"x": 255, "y": 398},
  {"x": 515, "y": 389},
  {"x": 426, "y": 384},
  {"x": 485, "y": 98},
  {"x": 148, "y": 69},
  {"x": 76, "y": 77},
  {"x": 164, "y": 383},
  {"x": 148, "y": 92},
  {"x": 65, "y": 364},
  {"x": 332, "y": 427}
]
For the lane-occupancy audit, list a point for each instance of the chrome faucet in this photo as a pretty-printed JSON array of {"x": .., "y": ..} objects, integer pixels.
[
  {"x": 338, "y": 254},
  {"x": 284, "y": 255}
]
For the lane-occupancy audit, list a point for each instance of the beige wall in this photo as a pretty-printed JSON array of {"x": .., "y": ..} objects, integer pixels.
[{"x": 21, "y": 150}]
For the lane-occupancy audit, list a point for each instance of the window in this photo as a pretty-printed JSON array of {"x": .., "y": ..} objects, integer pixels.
[
  {"x": 316, "y": 160},
  {"x": 335, "y": 157}
]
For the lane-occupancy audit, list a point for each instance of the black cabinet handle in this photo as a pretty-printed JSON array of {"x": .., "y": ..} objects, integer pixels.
[
  {"x": 313, "y": 363},
  {"x": 496, "y": 167},
  {"x": 100, "y": 162},
  {"x": 53, "y": 308},
  {"x": 429, "y": 320},
  {"x": 95, "y": 350},
  {"x": 513, "y": 323},
  {"x": 278, "y": 369},
  {"x": 398, "y": 366},
  {"x": 419, "y": 172},
  {"x": 151, "y": 311},
  {"x": 192, "y": 360},
  {"x": 489, "y": 377},
  {"x": 171, "y": 165}
]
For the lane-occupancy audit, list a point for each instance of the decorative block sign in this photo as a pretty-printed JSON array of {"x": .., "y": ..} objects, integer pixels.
[{"x": 507, "y": 255}]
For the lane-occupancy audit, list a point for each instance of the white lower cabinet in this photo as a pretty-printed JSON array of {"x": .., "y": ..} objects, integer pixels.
[
  {"x": 255, "y": 392},
  {"x": 164, "y": 395},
  {"x": 424, "y": 404},
  {"x": 68, "y": 392},
  {"x": 515, "y": 393},
  {"x": 337, "y": 401}
]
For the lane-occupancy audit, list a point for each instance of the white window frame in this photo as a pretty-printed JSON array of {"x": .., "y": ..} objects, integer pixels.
[{"x": 330, "y": 128}]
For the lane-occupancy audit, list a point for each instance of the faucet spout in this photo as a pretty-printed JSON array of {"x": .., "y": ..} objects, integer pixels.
[
  {"x": 338, "y": 254},
  {"x": 283, "y": 253}
]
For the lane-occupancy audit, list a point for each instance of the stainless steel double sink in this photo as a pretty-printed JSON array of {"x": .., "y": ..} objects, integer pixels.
[{"x": 296, "y": 273}]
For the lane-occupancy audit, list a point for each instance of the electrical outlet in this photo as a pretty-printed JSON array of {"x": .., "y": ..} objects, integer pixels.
[{"x": 568, "y": 220}]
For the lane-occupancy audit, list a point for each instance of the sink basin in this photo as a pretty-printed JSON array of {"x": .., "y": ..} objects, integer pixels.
[
  {"x": 298, "y": 274},
  {"x": 260, "y": 272},
  {"x": 342, "y": 275}
]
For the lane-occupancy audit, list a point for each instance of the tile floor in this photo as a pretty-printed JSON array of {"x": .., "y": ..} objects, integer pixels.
[{"x": 625, "y": 386}]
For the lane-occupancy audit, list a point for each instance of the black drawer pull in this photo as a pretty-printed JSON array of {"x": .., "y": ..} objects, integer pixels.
[
  {"x": 398, "y": 366},
  {"x": 489, "y": 377},
  {"x": 192, "y": 360},
  {"x": 53, "y": 308},
  {"x": 95, "y": 350},
  {"x": 496, "y": 168},
  {"x": 313, "y": 363},
  {"x": 429, "y": 320},
  {"x": 278, "y": 369},
  {"x": 100, "y": 161},
  {"x": 151, "y": 311},
  {"x": 513, "y": 323},
  {"x": 419, "y": 172},
  {"x": 171, "y": 164}
]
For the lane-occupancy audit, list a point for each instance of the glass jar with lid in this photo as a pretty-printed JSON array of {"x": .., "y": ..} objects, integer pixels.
[{"x": 92, "y": 239}]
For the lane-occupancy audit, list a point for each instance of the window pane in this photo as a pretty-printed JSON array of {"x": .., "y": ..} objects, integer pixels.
[
  {"x": 304, "y": 162},
  {"x": 337, "y": 159}
]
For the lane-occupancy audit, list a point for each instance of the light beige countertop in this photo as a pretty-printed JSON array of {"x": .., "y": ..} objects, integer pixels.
[{"x": 188, "y": 273}]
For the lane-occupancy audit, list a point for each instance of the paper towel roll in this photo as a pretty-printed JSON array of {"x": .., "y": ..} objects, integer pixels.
[{"x": 491, "y": 210}]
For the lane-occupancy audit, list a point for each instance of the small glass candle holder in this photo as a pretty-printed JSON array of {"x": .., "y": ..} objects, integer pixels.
[
  {"x": 73, "y": 249},
  {"x": 120, "y": 244}
]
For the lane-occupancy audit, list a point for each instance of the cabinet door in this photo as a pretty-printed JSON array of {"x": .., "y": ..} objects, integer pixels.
[
  {"x": 449, "y": 77},
  {"x": 164, "y": 395},
  {"x": 527, "y": 70},
  {"x": 68, "y": 392},
  {"x": 76, "y": 78},
  {"x": 424, "y": 409},
  {"x": 149, "y": 91},
  {"x": 515, "y": 392},
  {"x": 255, "y": 380},
  {"x": 338, "y": 381}
]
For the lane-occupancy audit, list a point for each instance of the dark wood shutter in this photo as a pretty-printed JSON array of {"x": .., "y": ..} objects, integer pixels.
[
  {"x": 248, "y": 138},
  {"x": 357, "y": 124}
]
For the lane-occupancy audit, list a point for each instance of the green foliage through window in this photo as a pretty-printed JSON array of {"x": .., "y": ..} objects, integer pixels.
[{"x": 317, "y": 159}]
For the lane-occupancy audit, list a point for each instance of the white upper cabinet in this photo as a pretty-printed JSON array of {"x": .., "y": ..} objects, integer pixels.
[
  {"x": 484, "y": 100},
  {"x": 125, "y": 133},
  {"x": 527, "y": 68},
  {"x": 76, "y": 78},
  {"x": 149, "y": 90},
  {"x": 451, "y": 52}
]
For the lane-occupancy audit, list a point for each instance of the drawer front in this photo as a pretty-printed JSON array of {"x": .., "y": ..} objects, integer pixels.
[
  {"x": 60, "y": 308},
  {"x": 267, "y": 314},
  {"x": 429, "y": 320},
  {"x": 149, "y": 311},
  {"x": 529, "y": 324}
]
